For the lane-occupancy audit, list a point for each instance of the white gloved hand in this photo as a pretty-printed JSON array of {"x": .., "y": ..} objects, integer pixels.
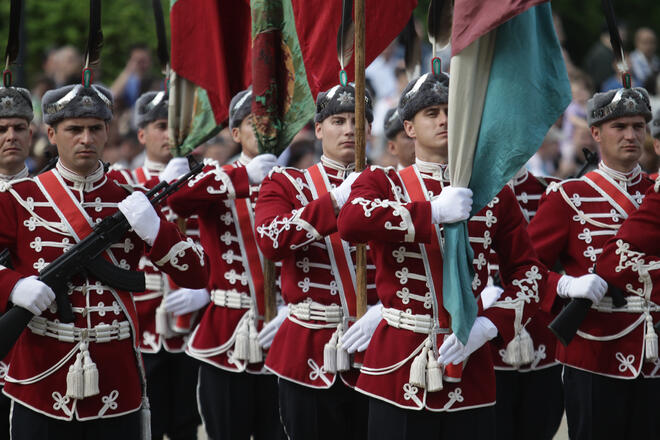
[
  {"x": 267, "y": 333},
  {"x": 589, "y": 286},
  {"x": 176, "y": 167},
  {"x": 452, "y": 205},
  {"x": 490, "y": 295},
  {"x": 141, "y": 215},
  {"x": 182, "y": 301},
  {"x": 32, "y": 294},
  {"x": 259, "y": 167},
  {"x": 452, "y": 351},
  {"x": 358, "y": 336},
  {"x": 341, "y": 193}
]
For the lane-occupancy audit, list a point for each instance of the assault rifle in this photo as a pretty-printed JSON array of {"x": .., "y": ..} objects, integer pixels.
[{"x": 85, "y": 257}]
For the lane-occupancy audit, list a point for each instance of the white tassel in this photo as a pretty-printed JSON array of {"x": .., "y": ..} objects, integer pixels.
[
  {"x": 75, "y": 381},
  {"x": 343, "y": 358},
  {"x": 433, "y": 374},
  {"x": 255, "y": 355},
  {"x": 650, "y": 340},
  {"x": 330, "y": 354},
  {"x": 242, "y": 344},
  {"x": 162, "y": 321},
  {"x": 91, "y": 375},
  {"x": 526, "y": 347},
  {"x": 512, "y": 355},
  {"x": 145, "y": 420},
  {"x": 418, "y": 368}
]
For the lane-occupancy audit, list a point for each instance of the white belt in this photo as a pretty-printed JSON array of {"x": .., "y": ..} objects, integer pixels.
[
  {"x": 231, "y": 299},
  {"x": 409, "y": 321},
  {"x": 313, "y": 311},
  {"x": 69, "y": 333},
  {"x": 634, "y": 304}
]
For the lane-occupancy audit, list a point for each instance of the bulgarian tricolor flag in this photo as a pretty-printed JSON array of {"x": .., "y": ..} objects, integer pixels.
[
  {"x": 508, "y": 85},
  {"x": 285, "y": 48}
]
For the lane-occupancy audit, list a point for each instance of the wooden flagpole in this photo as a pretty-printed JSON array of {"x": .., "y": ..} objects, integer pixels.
[{"x": 360, "y": 146}]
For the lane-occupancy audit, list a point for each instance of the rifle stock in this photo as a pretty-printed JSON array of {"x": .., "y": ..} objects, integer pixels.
[
  {"x": 569, "y": 320},
  {"x": 85, "y": 256}
]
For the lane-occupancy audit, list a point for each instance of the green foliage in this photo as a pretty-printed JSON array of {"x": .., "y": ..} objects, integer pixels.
[
  {"x": 583, "y": 20},
  {"x": 53, "y": 23}
]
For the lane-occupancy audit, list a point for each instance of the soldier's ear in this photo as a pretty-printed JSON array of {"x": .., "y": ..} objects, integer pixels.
[
  {"x": 318, "y": 130},
  {"x": 595, "y": 133},
  {"x": 51, "y": 132},
  {"x": 141, "y": 136},
  {"x": 236, "y": 134},
  {"x": 410, "y": 129}
]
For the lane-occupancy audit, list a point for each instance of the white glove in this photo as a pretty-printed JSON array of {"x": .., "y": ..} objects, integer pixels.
[
  {"x": 342, "y": 192},
  {"x": 358, "y": 336},
  {"x": 32, "y": 294},
  {"x": 452, "y": 351},
  {"x": 267, "y": 334},
  {"x": 182, "y": 301},
  {"x": 452, "y": 205},
  {"x": 141, "y": 215},
  {"x": 176, "y": 167},
  {"x": 490, "y": 295},
  {"x": 589, "y": 286},
  {"x": 259, "y": 167}
]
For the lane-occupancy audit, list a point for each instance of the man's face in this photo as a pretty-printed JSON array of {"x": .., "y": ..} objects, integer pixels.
[
  {"x": 621, "y": 140},
  {"x": 337, "y": 135},
  {"x": 156, "y": 141},
  {"x": 403, "y": 148},
  {"x": 80, "y": 143},
  {"x": 429, "y": 128},
  {"x": 244, "y": 135},
  {"x": 646, "y": 43},
  {"x": 15, "y": 141}
]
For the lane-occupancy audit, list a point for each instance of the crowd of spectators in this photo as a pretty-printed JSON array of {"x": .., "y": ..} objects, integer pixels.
[{"x": 560, "y": 154}]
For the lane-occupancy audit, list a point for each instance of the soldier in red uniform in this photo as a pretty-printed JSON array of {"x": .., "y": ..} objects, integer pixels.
[
  {"x": 15, "y": 141},
  {"x": 84, "y": 379},
  {"x": 631, "y": 261},
  {"x": 530, "y": 401},
  {"x": 171, "y": 374},
  {"x": 296, "y": 223},
  {"x": 237, "y": 396},
  {"x": 401, "y": 215},
  {"x": 399, "y": 143},
  {"x": 574, "y": 220}
]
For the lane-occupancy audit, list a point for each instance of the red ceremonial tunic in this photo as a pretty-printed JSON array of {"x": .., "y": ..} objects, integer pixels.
[
  {"x": 631, "y": 261},
  {"x": 105, "y": 317},
  {"x": 575, "y": 219},
  {"x": 159, "y": 284},
  {"x": 381, "y": 212},
  {"x": 528, "y": 190},
  {"x": 213, "y": 196},
  {"x": 292, "y": 224},
  {"x": 4, "y": 363}
]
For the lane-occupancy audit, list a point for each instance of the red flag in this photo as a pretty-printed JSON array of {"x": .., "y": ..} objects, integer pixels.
[
  {"x": 211, "y": 42},
  {"x": 474, "y": 18},
  {"x": 211, "y": 48}
]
